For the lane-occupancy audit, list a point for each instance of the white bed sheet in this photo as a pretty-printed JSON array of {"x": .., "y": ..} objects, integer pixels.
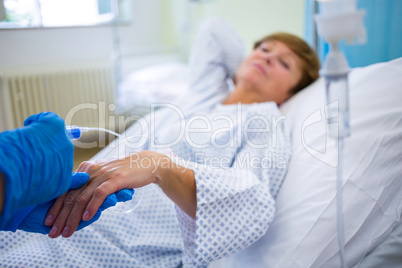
[{"x": 304, "y": 232}]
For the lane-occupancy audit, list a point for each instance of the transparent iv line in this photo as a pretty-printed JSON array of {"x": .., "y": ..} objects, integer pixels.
[{"x": 119, "y": 150}]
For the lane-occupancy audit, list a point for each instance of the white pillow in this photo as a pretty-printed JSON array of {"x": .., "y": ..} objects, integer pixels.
[
  {"x": 163, "y": 82},
  {"x": 304, "y": 232}
]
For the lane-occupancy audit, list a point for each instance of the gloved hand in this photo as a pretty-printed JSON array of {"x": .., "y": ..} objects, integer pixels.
[
  {"x": 34, "y": 221},
  {"x": 36, "y": 161}
]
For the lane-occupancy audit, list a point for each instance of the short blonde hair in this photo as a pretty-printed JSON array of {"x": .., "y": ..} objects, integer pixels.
[{"x": 310, "y": 62}]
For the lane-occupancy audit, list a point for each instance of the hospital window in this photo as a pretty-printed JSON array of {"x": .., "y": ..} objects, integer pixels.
[{"x": 62, "y": 13}]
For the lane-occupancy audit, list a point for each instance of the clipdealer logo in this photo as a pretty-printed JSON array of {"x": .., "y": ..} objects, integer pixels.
[
  {"x": 215, "y": 133},
  {"x": 325, "y": 151}
]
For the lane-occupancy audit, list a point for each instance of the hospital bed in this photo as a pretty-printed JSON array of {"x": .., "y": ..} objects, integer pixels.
[{"x": 304, "y": 232}]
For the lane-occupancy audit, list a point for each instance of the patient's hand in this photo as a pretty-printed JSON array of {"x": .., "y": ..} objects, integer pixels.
[{"x": 107, "y": 177}]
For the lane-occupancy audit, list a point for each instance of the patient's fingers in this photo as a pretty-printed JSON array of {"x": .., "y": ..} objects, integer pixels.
[
  {"x": 83, "y": 203},
  {"x": 75, "y": 215},
  {"x": 78, "y": 210},
  {"x": 55, "y": 210},
  {"x": 99, "y": 195},
  {"x": 68, "y": 204},
  {"x": 78, "y": 181},
  {"x": 75, "y": 202}
]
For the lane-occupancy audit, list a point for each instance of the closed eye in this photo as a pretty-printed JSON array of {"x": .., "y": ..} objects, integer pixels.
[{"x": 284, "y": 64}]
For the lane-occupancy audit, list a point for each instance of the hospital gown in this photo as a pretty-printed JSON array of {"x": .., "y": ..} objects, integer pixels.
[{"x": 239, "y": 154}]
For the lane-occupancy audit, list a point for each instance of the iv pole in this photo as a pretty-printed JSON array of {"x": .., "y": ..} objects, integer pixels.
[{"x": 338, "y": 20}]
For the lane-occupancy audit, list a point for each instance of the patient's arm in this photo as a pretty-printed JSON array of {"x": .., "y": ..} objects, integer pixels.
[
  {"x": 107, "y": 177},
  {"x": 216, "y": 53}
]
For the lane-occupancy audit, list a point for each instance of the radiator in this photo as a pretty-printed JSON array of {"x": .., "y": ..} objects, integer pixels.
[{"x": 83, "y": 95}]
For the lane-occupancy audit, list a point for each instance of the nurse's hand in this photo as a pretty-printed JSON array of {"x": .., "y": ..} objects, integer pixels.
[
  {"x": 36, "y": 161},
  {"x": 51, "y": 155},
  {"x": 107, "y": 177},
  {"x": 35, "y": 220}
]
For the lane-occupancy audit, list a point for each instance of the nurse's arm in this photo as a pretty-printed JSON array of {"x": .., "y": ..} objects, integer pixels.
[{"x": 2, "y": 190}]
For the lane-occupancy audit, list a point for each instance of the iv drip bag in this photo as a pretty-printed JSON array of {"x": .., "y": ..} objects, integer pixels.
[{"x": 339, "y": 19}]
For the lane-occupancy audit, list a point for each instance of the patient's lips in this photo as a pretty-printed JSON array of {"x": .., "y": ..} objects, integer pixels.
[{"x": 260, "y": 68}]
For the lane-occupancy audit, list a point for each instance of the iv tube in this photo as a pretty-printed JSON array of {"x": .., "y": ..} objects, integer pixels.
[
  {"x": 339, "y": 200},
  {"x": 335, "y": 72},
  {"x": 75, "y": 132}
]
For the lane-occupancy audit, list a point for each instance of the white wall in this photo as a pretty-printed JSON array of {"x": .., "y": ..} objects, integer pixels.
[
  {"x": 157, "y": 26},
  {"x": 48, "y": 46},
  {"x": 57, "y": 45},
  {"x": 252, "y": 19}
]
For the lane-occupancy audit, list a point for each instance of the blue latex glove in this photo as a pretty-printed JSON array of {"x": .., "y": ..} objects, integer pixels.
[
  {"x": 34, "y": 222},
  {"x": 77, "y": 180},
  {"x": 36, "y": 161}
]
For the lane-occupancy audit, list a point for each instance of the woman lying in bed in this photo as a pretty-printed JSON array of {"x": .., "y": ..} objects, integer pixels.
[{"x": 235, "y": 149}]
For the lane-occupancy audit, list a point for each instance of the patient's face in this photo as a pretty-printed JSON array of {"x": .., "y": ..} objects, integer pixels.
[{"x": 271, "y": 70}]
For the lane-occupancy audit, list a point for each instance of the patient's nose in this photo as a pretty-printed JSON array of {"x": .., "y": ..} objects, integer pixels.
[{"x": 271, "y": 58}]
